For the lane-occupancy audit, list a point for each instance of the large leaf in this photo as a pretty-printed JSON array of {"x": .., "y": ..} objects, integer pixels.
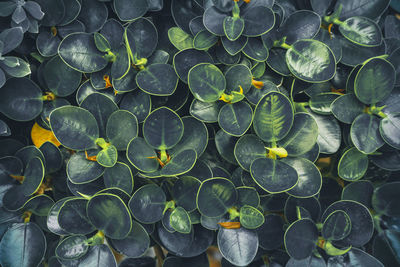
[
  {"x": 141, "y": 155},
  {"x": 274, "y": 176},
  {"x": 352, "y": 165},
  {"x": 374, "y": 81},
  {"x": 310, "y": 179},
  {"x": 311, "y": 61},
  {"x": 302, "y": 232},
  {"x": 389, "y": 129},
  {"x": 362, "y": 31},
  {"x": 235, "y": 119},
  {"x": 258, "y": 20},
  {"x": 163, "y": 128},
  {"x": 302, "y": 135},
  {"x": 122, "y": 127},
  {"x": 367, "y": 8},
  {"x": 141, "y": 36},
  {"x": 74, "y": 127},
  {"x": 248, "y": 148},
  {"x": 79, "y": 51},
  {"x": 21, "y": 99},
  {"x": 346, "y": 108},
  {"x": 158, "y": 79},
  {"x": 108, "y": 213},
  {"x": 206, "y": 82},
  {"x": 147, "y": 203},
  {"x": 365, "y": 134},
  {"x": 72, "y": 217},
  {"x": 184, "y": 60},
  {"x": 23, "y": 245},
  {"x": 309, "y": 22},
  {"x": 238, "y": 246},
  {"x": 128, "y": 10},
  {"x": 81, "y": 170},
  {"x": 273, "y": 117},
  {"x": 216, "y": 196}
]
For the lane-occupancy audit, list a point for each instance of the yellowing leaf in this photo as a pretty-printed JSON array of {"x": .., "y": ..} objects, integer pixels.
[
  {"x": 230, "y": 225},
  {"x": 40, "y": 135}
]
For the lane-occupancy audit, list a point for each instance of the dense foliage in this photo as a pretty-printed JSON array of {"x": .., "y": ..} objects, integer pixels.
[{"x": 267, "y": 128}]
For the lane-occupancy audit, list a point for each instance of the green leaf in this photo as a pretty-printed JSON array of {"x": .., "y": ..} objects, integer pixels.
[
  {"x": 108, "y": 213},
  {"x": 352, "y": 165},
  {"x": 101, "y": 106},
  {"x": 138, "y": 103},
  {"x": 362, "y": 226},
  {"x": 385, "y": 198},
  {"x": 72, "y": 247},
  {"x": 302, "y": 232},
  {"x": 389, "y": 129},
  {"x": 141, "y": 38},
  {"x": 364, "y": 133},
  {"x": 302, "y": 135},
  {"x": 238, "y": 246},
  {"x": 179, "y": 38},
  {"x": 158, "y": 79},
  {"x": 16, "y": 247},
  {"x": 101, "y": 42},
  {"x": 141, "y": 155},
  {"x": 150, "y": 211},
  {"x": 184, "y": 192},
  {"x": 180, "y": 220},
  {"x": 81, "y": 170},
  {"x": 120, "y": 176},
  {"x": 362, "y": 31},
  {"x": 61, "y": 79},
  {"x": 195, "y": 136},
  {"x": 33, "y": 176},
  {"x": 135, "y": 244},
  {"x": 336, "y": 226},
  {"x": 250, "y": 217},
  {"x": 213, "y": 20},
  {"x": 248, "y": 196},
  {"x": 19, "y": 68},
  {"x": 274, "y": 176},
  {"x": 368, "y": 8},
  {"x": 78, "y": 50},
  {"x": 184, "y": 60},
  {"x": 225, "y": 145},
  {"x": 273, "y": 117},
  {"x": 122, "y": 127},
  {"x": 128, "y": 10},
  {"x": 248, "y": 148},
  {"x": 311, "y": 61},
  {"x": 206, "y": 82},
  {"x": 238, "y": 76},
  {"x": 21, "y": 90},
  {"x": 374, "y": 81},
  {"x": 72, "y": 217},
  {"x": 258, "y": 20},
  {"x": 301, "y": 19},
  {"x": 108, "y": 156},
  {"x": 236, "y": 118},
  {"x": 82, "y": 131},
  {"x": 204, "y": 40},
  {"x": 180, "y": 163},
  {"x": 346, "y": 108},
  {"x": 270, "y": 233},
  {"x": 216, "y": 196},
  {"x": 100, "y": 255},
  {"x": 310, "y": 178},
  {"x": 233, "y": 27},
  {"x": 163, "y": 128},
  {"x": 256, "y": 50},
  {"x": 205, "y": 112},
  {"x": 321, "y": 103},
  {"x": 234, "y": 47}
]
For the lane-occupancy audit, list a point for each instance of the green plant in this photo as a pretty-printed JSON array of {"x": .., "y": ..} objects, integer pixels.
[{"x": 266, "y": 129}]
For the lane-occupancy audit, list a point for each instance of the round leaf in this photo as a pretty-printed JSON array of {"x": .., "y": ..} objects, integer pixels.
[
  {"x": 79, "y": 51},
  {"x": 362, "y": 31},
  {"x": 311, "y": 61},
  {"x": 273, "y": 176},
  {"x": 250, "y": 217},
  {"x": 352, "y": 165},
  {"x": 216, "y": 196},
  {"x": 122, "y": 127},
  {"x": 365, "y": 134},
  {"x": 108, "y": 213},
  {"x": 180, "y": 221},
  {"x": 157, "y": 79},
  {"x": 235, "y": 119},
  {"x": 151, "y": 210},
  {"x": 273, "y": 117},
  {"x": 206, "y": 82},
  {"x": 72, "y": 248},
  {"x": 302, "y": 232},
  {"x": 141, "y": 155},
  {"x": 336, "y": 226},
  {"x": 82, "y": 130}
]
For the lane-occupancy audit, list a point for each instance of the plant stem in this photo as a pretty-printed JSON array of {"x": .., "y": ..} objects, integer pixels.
[{"x": 159, "y": 254}]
